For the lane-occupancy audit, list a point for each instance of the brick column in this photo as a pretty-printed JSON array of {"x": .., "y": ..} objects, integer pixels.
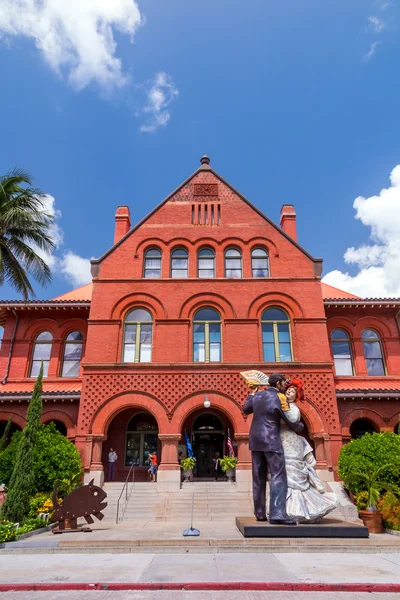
[
  {"x": 243, "y": 468},
  {"x": 169, "y": 471},
  {"x": 96, "y": 470}
]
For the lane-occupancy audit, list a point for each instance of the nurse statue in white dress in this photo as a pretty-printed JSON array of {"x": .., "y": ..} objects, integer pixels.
[{"x": 307, "y": 501}]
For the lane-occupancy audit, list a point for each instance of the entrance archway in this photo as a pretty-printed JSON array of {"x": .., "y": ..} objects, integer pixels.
[
  {"x": 208, "y": 433},
  {"x": 360, "y": 427},
  {"x": 133, "y": 434}
]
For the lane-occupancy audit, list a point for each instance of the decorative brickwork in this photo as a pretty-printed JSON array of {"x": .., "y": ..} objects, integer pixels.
[{"x": 205, "y": 189}]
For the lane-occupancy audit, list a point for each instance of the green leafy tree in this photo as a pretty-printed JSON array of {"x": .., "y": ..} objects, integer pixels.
[
  {"x": 55, "y": 458},
  {"x": 374, "y": 451},
  {"x": 6, "y": 433},
  {"x": 373, "y": 482},
  {"x": 22, "y": 482},
  {"x": 24, "y": 226}
]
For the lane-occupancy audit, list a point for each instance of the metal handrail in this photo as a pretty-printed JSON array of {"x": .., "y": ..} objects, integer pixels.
[{"x": 127, "y": 496}]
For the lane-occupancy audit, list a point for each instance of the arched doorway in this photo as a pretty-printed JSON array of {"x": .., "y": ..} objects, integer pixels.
[
  {"x": 208, "y": 433},
  {"x": 59, "y": 425},
  {"x": 133, "y": 434},
  {"x": 397, "y": 428},
  {"x": 360, "y": 427}
]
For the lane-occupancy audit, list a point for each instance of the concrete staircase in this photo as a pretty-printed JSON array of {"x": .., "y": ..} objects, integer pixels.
[{"x": 213, "y": 501}]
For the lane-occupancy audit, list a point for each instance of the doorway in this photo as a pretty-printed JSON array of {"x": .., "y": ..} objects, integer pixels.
[{"x": 208, "y": 438}]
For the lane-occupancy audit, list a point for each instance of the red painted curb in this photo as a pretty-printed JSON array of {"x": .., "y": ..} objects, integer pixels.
[{"x": 198, "y": 586}]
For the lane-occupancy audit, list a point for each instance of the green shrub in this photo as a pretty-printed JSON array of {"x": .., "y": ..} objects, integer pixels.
[
  {"x": 389, "y": 507},
  {"x": 361, "y": 500},
  {"x": 31, "y": 524},
  {"x": 188, "y": 463},
  {"x": 54, "y": 458},
  {"x": 228, "y": 462},
  {"x": 372, "y": 450},
  {"x": 8, "y": 532}
]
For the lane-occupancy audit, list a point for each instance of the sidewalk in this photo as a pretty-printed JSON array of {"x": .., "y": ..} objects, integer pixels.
[
  {"x": 215, "y": 537},
  {"x": 170, "y": 569}
]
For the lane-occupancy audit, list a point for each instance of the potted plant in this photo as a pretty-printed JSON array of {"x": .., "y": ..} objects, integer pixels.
[
  {"x": 371, "y": 483},
  {"x": 187, "y": 465},
  {"x": 228, "y": 465}
]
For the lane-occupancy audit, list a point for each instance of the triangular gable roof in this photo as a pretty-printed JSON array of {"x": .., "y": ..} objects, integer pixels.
[
  {"x": 205, "y": 167},
  {"x": 84, "y": 292},
  {"x": 329, "y": 293}
]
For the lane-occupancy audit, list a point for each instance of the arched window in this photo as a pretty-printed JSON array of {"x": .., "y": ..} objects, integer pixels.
[
  {"x": 138, "y": 335},
  {"x": 341, "y": 351},
  {"x": 207, "y": 336},
  {"x": 179, "y": 263},
  {"x": 233, "y": 263},
  {"x": 206, "y": 263},
  {"x": 259, "y": 262},
  {"x": 141, "y": 440},
  {"x": 277, "y": 345},
  {"x": 41, "y": 353},
  {"x": 373, "y": 352},
  {"x": 152, "y": 263},
  {"x": 72, "y": 354}
]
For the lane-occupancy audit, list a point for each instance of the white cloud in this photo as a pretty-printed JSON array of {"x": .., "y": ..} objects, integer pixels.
[
  {"x": 378, "y": 263},
  {"x": 371, "y": 51},
  {"x": 75, "y": 36},
  {"x": 68, "y": 264},
  {"x": 377, "y": 24},
  {"x": 75, "y": 268},
  {"x": 160, "y": 95}
]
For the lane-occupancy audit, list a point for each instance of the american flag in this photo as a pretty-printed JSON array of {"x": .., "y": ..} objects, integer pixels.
[{"x": 231, "y": 451}]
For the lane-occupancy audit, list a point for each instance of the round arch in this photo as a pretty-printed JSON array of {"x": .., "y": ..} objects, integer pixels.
[
  {"x": 365, "y": 414},
  {"x": 371, "y": 323},
  {"x": 148, "y": 301},
  {"x": 221, "y": 402},
  {"x": 16, "y": 419},
  {"x": 221, "y": 304},
  {"x": 280, "y": 300},
  {"x": 62, "y": 417},
  {"x": 106, "y": 413},
  {"x": 394, "y": 420},
  {"x": 312, "y": 418}
]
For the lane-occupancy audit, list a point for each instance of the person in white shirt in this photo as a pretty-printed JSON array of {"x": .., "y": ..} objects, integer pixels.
[{"x": 112, "y": 457}]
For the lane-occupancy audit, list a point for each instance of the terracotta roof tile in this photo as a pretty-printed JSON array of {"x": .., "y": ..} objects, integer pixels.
[
  {"x": 373, "y": 385},
  {"x": 329, "y": 293},
  {"x": 53, "y": 387},
  {"x": 81, "y": 293}
]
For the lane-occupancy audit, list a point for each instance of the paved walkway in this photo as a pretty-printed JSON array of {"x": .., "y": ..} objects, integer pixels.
[
  {"x": 143, "y": 536},
  {"x": 183, "y": 568},
  {"x": 156, "y": 595}
]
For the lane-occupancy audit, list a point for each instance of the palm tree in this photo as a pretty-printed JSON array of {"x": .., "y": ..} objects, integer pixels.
[{"x": 24, "y": 227}]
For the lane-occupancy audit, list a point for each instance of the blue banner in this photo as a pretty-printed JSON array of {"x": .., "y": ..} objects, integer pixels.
[{"x": 188, "y": 445}]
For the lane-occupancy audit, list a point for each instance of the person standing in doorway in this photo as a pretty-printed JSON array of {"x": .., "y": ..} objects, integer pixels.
[
  {"x": 112, "y": 457},
  {"x": 217, "y": 467}
]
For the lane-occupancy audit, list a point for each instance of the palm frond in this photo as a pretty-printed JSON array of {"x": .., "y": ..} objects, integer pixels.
[{"x": 13, "y": 273}]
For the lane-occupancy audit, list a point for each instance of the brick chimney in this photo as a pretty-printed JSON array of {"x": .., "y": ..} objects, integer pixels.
[
  {"x": 122, "y": 222},
  {"x": 288, "y": 220}
]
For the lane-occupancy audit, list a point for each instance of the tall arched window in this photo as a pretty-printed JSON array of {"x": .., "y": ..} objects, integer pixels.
[
  {"x": 373, "y": 352},
  {"x": 259, "y": 262},
  {"x": 233, "y": 263},
  {"x": 72, "y": 354},
  {"x": 277, "y": 345},
  {"x": 138, "y": 335},
  {"x": 179, "y": 263},
  {"x": 341, "y": 351},
  {"x": 206, "y": 263},
  {"x": 152, "y": 263},
  {"x": 207, "y": 336},
  {"x": 41, "y": 353}
]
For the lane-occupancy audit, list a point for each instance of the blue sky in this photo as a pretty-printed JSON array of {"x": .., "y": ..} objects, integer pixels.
[{"x": 294, "y": 101}]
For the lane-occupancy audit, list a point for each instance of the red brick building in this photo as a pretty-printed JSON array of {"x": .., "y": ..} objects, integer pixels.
[{"x": 205, "y": 286}]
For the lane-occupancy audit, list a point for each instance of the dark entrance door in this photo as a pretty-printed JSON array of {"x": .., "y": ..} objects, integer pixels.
[
  {"x": 208, "y": 439},
  {"x": 205, "y": 447}
]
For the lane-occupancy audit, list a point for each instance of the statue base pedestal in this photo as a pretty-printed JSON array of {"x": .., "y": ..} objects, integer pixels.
[{"x": 249, "y": 527}]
